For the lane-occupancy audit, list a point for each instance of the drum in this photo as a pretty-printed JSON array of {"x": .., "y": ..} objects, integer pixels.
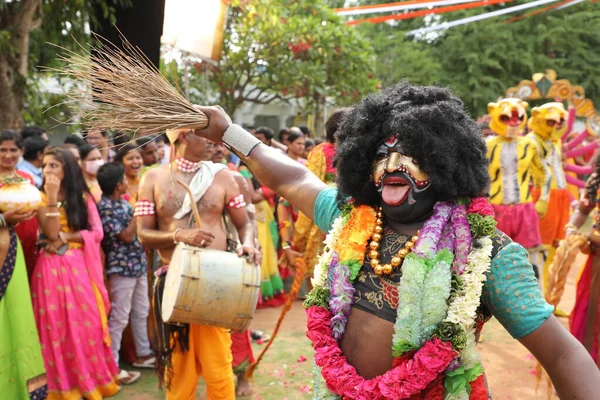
[{"x": 210, "y": 287}]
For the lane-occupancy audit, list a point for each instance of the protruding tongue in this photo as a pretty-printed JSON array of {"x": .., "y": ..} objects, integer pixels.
[{"x": 394, "y": 195}]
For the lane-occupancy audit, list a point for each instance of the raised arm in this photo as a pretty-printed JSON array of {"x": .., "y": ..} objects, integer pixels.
[{"x": 285, "y": 176}]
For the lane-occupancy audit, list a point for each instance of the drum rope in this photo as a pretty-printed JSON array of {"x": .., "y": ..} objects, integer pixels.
[{"x": 300, "y": 265}]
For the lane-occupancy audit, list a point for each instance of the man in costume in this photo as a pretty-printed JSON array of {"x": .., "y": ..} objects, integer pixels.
[
  {"x": 411, "y": 166},
  {"x": 547, "y": 125},
  {"x": 164, "y": 219},
  {"x": 514, "y": 161}
]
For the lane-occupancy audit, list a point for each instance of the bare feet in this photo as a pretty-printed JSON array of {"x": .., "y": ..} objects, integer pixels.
[{"x": 243, "y": 387}]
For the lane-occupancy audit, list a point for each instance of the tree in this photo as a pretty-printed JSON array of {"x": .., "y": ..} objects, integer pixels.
[
  {"x": 481, "y": 60},
  {"x": 291, "y": 49},
  {"x": 25, "y": 28}
]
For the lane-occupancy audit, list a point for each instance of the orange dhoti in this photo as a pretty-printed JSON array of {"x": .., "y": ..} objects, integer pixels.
[
  {"x": 552, "y": 226},
  {"x": 209, "y": 356}
]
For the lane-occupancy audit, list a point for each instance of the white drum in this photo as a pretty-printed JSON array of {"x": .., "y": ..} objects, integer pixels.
[{"x": 210, "y": 287}]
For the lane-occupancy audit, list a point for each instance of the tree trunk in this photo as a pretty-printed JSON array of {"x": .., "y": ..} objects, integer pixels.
[
  {"x": 12, "y": 87},
  {"x": 14, "y": 67}
]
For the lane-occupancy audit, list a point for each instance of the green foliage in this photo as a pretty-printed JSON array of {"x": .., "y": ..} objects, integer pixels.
[
  {"x": 46, "y": 109},
  {"x": 64, "y": 24},
  {"x": 291, "y": 49},
  {"x": 479, "y": 61}
]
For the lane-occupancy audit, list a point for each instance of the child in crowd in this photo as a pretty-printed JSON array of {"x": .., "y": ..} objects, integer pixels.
[{"x": 126, "y": 267}]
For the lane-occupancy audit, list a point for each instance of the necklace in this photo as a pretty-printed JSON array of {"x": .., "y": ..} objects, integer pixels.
[
  {"x": 187, "y": 166},
  {"x": 396, "y": 261}
]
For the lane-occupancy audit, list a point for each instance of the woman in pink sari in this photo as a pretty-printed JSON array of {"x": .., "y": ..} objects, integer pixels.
[{"x": 70, "y": 300}]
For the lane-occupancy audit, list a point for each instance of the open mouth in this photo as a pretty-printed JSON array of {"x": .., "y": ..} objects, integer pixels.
[{"x": 395, "y": 190}]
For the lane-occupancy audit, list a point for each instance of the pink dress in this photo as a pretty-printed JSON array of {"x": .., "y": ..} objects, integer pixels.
[{"x": 70, "y": 303}]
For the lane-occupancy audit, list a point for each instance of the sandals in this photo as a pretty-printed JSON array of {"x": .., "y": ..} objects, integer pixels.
[
  {"x": 128, "y": 377},
  {"x": 145, "y": 362}
]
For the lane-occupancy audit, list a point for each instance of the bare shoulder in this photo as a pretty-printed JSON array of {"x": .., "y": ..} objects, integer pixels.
[
  {"x": 226, "y": 176},
  {"x": 154, "y": 176}
]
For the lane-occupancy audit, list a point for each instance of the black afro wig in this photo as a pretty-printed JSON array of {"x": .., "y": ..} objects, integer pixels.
[{"x": 432, "y": 127}]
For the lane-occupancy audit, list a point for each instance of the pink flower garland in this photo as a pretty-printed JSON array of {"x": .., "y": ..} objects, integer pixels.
[
  {"x": 407, "y": 378},
  {"x": 481, "y": 206}
]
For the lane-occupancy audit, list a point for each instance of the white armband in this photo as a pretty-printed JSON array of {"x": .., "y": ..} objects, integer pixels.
[{"x": 240, "y": 140}]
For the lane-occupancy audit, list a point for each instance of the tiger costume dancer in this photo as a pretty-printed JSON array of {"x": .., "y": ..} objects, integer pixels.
[
  {"x": 547, "y": 126},
  {"x": 514, "y": 161}
]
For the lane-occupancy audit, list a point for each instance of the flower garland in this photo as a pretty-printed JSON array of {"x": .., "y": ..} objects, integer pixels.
[{"x": 439, "y": 293}]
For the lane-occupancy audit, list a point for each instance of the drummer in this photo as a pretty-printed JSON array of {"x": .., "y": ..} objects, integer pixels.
[{"x": 164, "y": 219}]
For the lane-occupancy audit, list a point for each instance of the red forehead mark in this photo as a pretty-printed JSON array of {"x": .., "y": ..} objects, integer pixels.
[{"x": 392, "y": 141}]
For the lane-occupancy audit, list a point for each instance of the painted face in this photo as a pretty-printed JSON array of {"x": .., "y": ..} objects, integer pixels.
[
  {"x": 508, "y": 117},
  {"x": 53, "y": 166},
  {"x": 405, "y": 189},
  {"x": 133, "y": 163},
  {"x": 9, "y": 154}
]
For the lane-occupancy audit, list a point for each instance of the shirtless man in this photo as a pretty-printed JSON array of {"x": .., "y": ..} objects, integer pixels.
[
  {"x": 163, "y": 222},
  {"x": 404, "y": 150}
]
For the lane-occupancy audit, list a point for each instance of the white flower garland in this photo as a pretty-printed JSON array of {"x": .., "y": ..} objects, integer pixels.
[
  {"x": 322, "y": 266},
  {"x": 463, "y": 308}
]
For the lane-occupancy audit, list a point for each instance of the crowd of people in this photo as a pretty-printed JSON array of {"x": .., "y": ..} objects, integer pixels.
[
  {"x": 90, "y": 269},
  {"x": 82, "y": 271}
]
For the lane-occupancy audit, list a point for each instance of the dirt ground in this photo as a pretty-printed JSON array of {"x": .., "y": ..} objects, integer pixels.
[{"x": 285, "y": 373}]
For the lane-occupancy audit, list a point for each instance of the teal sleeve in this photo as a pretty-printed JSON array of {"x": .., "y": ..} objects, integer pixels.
[
  {"x": 326, "y": 209},
  {"x": 513, "y": 294}
]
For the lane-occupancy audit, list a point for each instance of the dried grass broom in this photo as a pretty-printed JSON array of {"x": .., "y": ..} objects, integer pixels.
[
  {"x": 557, "y": 277},
  {"x": 120, "y": 89}
]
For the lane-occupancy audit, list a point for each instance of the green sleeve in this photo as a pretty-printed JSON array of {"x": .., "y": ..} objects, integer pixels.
[
  {"x": 513, "y": 294},
  {"x": 326, "y": 209}
]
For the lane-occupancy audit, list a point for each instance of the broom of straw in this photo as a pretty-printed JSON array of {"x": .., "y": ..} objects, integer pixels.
[
  {"x": 557, "y": 277},
  {"x": 120, "y": 89}
]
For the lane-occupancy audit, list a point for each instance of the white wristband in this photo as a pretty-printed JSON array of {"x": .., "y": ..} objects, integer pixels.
[{"x": 240, "y": 140}]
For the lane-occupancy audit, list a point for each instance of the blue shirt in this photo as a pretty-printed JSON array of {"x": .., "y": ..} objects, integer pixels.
[
  {"x": 511, "y": 290},
  {"x": 35, "y": 172},
  {"x": 124, "y": 259}
]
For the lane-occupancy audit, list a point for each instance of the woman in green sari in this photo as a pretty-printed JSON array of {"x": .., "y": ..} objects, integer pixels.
[{"x": 23, "y": 376}]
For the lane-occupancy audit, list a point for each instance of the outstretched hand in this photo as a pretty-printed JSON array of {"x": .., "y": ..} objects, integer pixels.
[{"x": 218, "y": 122}]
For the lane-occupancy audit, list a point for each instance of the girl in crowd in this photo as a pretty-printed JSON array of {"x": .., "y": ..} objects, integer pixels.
[
  {"x": 21, "y": 361},
  {"x": 130, "y": 157},
  {"x": 296, "y": 146},
  {"x": 91, "y": 161},
  {"x": 69, "y": 297},
  {"x": 27, "y": 230}
]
